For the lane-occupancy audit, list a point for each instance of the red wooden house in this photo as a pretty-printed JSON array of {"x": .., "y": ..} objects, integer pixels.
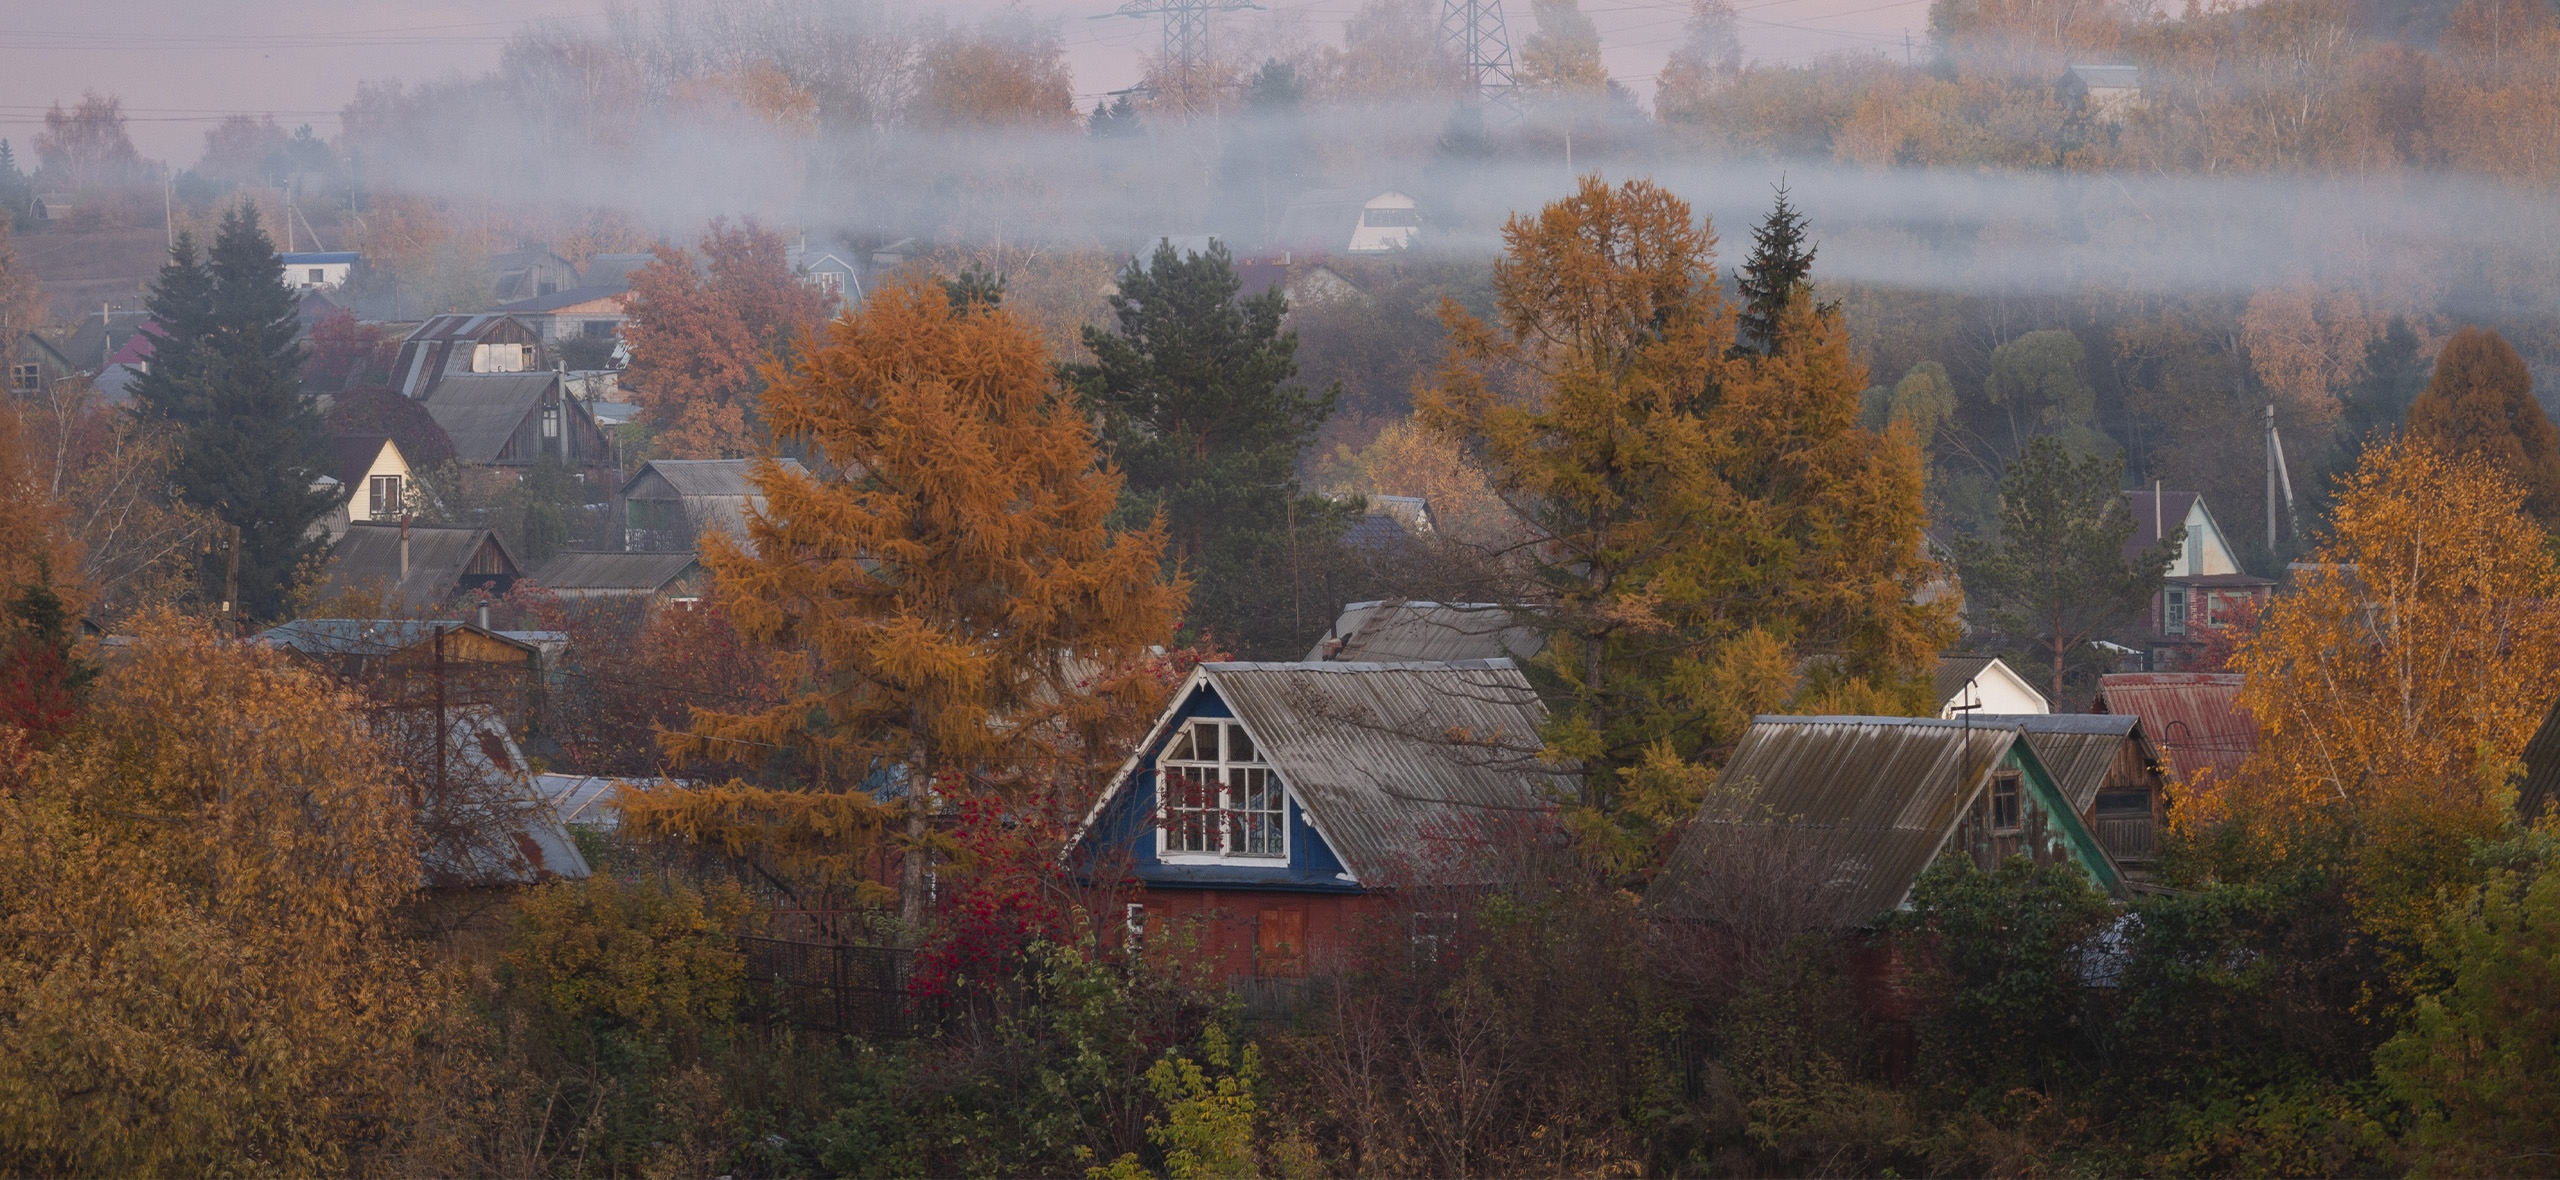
[{"x": 1275, "y": 808}]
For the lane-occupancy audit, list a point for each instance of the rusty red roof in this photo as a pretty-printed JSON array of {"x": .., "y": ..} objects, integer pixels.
[{"x": 2193, "y": 718}]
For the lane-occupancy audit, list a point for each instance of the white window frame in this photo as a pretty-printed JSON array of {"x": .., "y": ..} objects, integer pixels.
[
  {"x": 2174, "y": 609},
  {"x": 1223, "y": 820}
]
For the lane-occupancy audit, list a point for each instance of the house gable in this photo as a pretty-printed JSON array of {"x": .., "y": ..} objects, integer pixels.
[
  {"x": 1130, "y": 822},
  {"x": 2207, "y": 551}
]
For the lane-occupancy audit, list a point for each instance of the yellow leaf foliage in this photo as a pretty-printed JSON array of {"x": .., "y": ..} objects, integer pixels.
[
  {"x": 945, "y": 571},
  {"x": 197, "y": 955},
  {"x": 2397, "y": 684}
]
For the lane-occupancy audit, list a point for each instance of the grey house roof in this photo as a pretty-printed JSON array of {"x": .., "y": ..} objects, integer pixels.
[
  {"x": 373, "y": 637},
  {"x": 439, "y": 557},
  {"x": 696, "y": 477},
  {"x": 611, "y": 573},
  {"x": 2076, "y": 748},
  {"x": 481, "y": 412},
  {"x": 1396, "y": 630},
  {"x": 1388, "y": 760},
  {"x": 1855, "y": 807}
]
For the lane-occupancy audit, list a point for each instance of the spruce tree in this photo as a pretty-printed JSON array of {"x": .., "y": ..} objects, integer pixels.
[
  {"x": 1781, "y": 264},
  {"x": 2480, "y": 402},
  {"x": 1198, "y": 409},
  {"x": 227, "y": 376}
]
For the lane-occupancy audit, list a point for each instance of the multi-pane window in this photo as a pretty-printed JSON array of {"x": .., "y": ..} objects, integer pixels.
[
  {"x": 2177, "y": 612},
  {"x": 386, "y": 496},
  {"x": 1220, "y": 797},
  {"x": 2004, "y": 803},
  {"x": 25, "y": 378}
]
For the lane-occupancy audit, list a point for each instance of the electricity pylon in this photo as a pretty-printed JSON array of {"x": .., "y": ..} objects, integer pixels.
[
  {"x": 1474, "y": 31},
  {"x": 1186, "y": 35}
]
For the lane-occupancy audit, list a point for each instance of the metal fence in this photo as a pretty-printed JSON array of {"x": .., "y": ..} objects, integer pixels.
[{"x": 849, "y": 990}]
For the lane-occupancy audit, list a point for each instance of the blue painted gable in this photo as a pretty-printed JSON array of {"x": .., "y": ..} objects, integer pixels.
[{"x": 1125, "y": 828}]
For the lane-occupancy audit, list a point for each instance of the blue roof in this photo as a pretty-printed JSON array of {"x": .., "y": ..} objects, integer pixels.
[{"x": 317, "y": 259}]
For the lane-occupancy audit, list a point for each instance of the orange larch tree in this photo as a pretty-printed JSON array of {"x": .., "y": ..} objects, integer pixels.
[
  {"x": 942, "y": 576},
  {"x": 699, "y": 337}
]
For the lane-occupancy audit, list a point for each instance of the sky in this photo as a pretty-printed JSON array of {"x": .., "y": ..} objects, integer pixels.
[{"x": 180, "y": 65}]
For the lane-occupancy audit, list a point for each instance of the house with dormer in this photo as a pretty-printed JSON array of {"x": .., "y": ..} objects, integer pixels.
[
  {"x": 2204, "y": 583},
  {"x": 1274, "y": 808}
]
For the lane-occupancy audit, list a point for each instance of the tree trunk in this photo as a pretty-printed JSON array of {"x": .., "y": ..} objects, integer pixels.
[{"x": 911, "y": 883}]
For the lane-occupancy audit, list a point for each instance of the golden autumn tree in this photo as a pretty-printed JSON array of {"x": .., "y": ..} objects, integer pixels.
[
  {"x": 943, "y": 574},
  {"x": 698, "y": 339},
  {"x": 1704, "y": 519},
  {"x": 2396, "y": 686},
  {"x": 198, "y": 951}
]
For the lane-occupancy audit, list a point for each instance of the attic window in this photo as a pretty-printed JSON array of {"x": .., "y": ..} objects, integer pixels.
[
  {"x": 25, "y": 378},
  {"x": 1221, "y": 799},
  {"x": 2004, "y": 803}
]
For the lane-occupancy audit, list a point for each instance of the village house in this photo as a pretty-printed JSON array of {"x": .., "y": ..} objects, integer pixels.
[
  {"x": 2106, "y": 92},
  {"x": 2109, "y": 774},
  {"x": 1349, "y": 221},
  {"x": 1853, "y": 809},
  {"x": 528, "y": 274},
  {"x": 2193, "y": 719},
  {"x": 456, "y": 345},
  {"x": 417, "y": 565},
  {"x": 1274, "y": 808},
  {"x": 829, "y": 272},
  {"x": 589, "y": 315},
  {"x": 318, "y": 271},
  {"x": 1966, "y": 683},
  {"x": 2204, "y": 583},
  {"x": 517, "y": 420},
  {"x": 374, "y": 480},
  {"x": 664, "y": 579},
  {"x": 669, "y": 503}
]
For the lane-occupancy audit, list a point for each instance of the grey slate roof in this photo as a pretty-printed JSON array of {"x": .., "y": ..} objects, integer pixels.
[
  {"x": 372, "y": 637},
  {"x": 1954, "y": 671},
  {"x": 2076, "y": 748},
  {"x": 1395, "y": 630},
  {"x": 1854, "y": 806},
  {"x": 1388, "y": 760},
  {"x": 438, "y": 555},
  {"x": 570, "y": 297},
  {"x": 701, "y": 477},
  {"x": 481, "y": 411},
  {"x": 636, "y": 573}
]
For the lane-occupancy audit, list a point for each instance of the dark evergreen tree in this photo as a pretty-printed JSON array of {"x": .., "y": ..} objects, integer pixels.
[
  {"x": 2376, "y": 406},
  {"x": 1197, "y": 407},
  {"x": 17, "y": 194},
  {"x": 1119, "y": 120},
  {"x": 2058, "y": 577},
  {"x": 227, "y": 375},
  {"x": 1781, "y": 265},
  {"x": 976, "y": 287},
  {"x": 41, "y": 680}
]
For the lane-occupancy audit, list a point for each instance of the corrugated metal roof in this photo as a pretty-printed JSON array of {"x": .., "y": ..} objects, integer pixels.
[
  {"x": 513, "y": 835},
  {"x": 1388, "y": 758},
  {"x": 703, "y": 477},
  {"x": 635, "y": 573},
  {"x": 2192, "y": 718},
  {"x": 481, "y": 412},
  {"x": 372, "y": 637},
  {"x": 2076, "y": 748},
  {"x": 1858, "y": 804},
  {"x": 1956, "y": 671},
  {"x": 567, "y": 298},
  {"x": 1398, "y": 631},
  {"x": 438, "y": 555}
]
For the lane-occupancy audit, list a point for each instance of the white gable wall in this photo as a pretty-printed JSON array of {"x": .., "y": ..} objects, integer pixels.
[
  {"x": 1997, "y": 689},
  {"x": 2206, "y": 550}
]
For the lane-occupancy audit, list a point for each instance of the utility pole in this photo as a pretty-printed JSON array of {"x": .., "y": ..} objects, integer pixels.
[
  {"x": 2277, "y": 475},
  {"x": 1186, "y": 35},
  {"x": 1473, "y": 29},
  {"x": 442, "y": 735}
]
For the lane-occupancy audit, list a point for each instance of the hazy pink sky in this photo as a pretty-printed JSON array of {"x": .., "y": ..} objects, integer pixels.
[{"x": 180, "y": 65}]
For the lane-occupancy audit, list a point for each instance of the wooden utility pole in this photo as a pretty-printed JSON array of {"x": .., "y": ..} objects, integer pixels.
[{"x": 441, "y": 733}]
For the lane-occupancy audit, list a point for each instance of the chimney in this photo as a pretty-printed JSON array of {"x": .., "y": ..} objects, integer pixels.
[
  {"x": 484, "y": 614},
  {"x": 404, "y": 546}
]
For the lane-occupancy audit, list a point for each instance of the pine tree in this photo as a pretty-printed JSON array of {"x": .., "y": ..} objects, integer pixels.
[
  {"x": 2057, "y": 577},
  {"x": 975, "y": 287},
  {"x": 227, "y": 376},
  {"x": 1198, "y": 410},
  {"x": 2481, "y": 402},
  {"x": 1116, "y": 120},
  {"x": 948, "y": 574},
  {"x": 1781, "y": 264}
]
